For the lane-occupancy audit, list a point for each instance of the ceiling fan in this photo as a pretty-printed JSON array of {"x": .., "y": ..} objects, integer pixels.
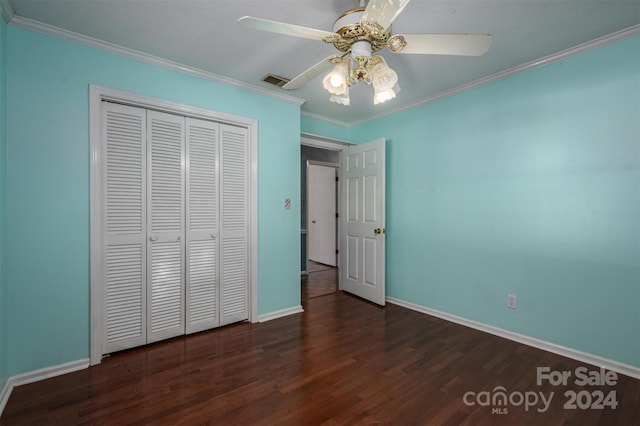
[{"x": 357, "y": 34}]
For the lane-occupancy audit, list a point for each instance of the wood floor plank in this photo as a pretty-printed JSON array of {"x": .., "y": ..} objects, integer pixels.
[{"x": 341, "y": 362}]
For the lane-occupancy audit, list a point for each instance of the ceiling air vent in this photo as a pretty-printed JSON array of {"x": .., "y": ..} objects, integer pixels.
[{"x": 276, "y": 80}]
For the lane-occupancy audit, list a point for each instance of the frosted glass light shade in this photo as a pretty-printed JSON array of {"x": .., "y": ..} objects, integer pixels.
[
  {"x": 341, "y": 99},
  {"x": 336, "y": 81},
  {"x": 385, "y": 94},
  {"x": 383, "y": 77}
]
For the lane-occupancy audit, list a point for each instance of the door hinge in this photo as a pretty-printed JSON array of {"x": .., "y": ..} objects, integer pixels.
[
  {"x": 337, "y": 178},
  {"x": 337, "y": 215},
  {"x": 336, "y": 251}
]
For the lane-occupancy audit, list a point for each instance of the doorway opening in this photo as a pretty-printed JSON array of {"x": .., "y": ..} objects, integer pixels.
[
  {"x": 361, "y": 225},
  {"x": 319, "y": 223}
]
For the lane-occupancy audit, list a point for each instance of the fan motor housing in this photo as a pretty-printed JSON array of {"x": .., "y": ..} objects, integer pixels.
[{"x": 352, "y": 31}]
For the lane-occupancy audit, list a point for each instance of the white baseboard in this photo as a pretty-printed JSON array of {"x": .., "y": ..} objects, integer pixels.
[
  {"x": 5, "y": 393},
  {"x": 598, "y": 361},
  {"x": 281, "y": 313},
  {"x": 37, "y": 375}
]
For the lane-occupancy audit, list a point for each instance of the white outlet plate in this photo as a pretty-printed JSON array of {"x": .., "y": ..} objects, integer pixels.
[{"x": 512, "y": 301}]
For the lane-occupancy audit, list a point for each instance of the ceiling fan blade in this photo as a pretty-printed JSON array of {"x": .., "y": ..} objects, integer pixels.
[
  {"x": 282, "y": 28},
  {"x": 447, "y": 44},
  {"x": 309, "y": 74},
  {"x": 383, "y": 11}
]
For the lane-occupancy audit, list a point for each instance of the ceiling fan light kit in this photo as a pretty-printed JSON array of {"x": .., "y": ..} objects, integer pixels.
[
  {"x": 358, "y": 38},
  {"x": 358, "y": 33},
  {"x": 368, "y": 69}
]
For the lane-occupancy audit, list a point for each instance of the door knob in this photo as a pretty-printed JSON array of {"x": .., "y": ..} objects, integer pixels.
[
  {"x": 153, "y": 237},
  {"x": 313, "y": 221},
  {"x": 377, "y": 231}
]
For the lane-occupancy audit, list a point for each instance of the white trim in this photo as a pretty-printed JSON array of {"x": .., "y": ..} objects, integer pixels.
[
  {"x": 5, "y": 393},
  {"x": 323, "y": 164},
  {"x": 317, "y": 141},
  {"x": 33, "y": 25},
  {"x": 157, "y": 104},
  {"x": 96, "y": 225},
  {"x": 598, "y": 361},
  {"x": 9, "y": 13},
  {"x": 281, "y": 313},
  {"x": 327, "y": 119},
  {"x": 527, "y": 66},
  {"x": 37, "y": 375},
  {"x": 49, "y": 372},
  {"x": 175, "y": 66},
  {"x": 96, "y": 95}
]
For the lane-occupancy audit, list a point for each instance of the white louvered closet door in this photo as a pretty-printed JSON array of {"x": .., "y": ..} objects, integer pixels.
[
  {"x": 175, "y": 220},
  {"x": 202, "y": 290},
  {"x": 165, "y": 219},
  {"x": 234, "y": 265},
  {"x": 124, "y": 230}
]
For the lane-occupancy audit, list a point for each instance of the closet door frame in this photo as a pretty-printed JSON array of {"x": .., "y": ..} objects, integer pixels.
[{"x": 98, "y": 94}]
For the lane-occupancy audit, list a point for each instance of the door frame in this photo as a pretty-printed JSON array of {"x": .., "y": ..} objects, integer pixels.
[
  {"x": 331, "y": 144},
  {"x": 98, "y": 94},
  {"x": 336, "y": 167}
]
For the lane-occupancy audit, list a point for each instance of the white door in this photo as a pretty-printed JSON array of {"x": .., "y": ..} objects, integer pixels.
[
  {"x": 165, "y": 219},
  {"x": 234, "y": 223},
  {"x": 124, "y": 274},
  {"x": 202, "y": 288},
  {"x": 363, "y": 211},
  {"x": 175, "y": 234},
  {"x": 321, "y": 219}
]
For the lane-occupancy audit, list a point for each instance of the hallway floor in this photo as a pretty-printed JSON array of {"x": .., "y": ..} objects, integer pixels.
[{"x": 320, "y": 281}]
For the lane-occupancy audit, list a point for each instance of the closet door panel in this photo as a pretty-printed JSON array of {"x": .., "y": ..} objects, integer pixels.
[
  {"x": 202, "y": 290},
  {"x": 124, "y": 232},
  {"x": 234, "y": 169},
  {"x": 165, "y": 218}
]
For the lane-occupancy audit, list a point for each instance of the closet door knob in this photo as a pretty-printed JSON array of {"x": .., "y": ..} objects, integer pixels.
[{"x": 153, "y": 237}]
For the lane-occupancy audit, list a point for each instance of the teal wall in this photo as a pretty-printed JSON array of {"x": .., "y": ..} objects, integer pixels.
[
  {"x": 324, "y": 128},
  {"x": 3, "y": 197},
  {"x": 528, "y": 186},
  {"x": 48, "y": 187}
]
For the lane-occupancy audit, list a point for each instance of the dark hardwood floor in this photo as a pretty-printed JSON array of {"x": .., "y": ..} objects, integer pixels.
[{"x": 343, "y": 361}]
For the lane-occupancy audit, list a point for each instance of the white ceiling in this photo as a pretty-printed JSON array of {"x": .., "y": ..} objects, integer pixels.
[{"x": 204, "y": 34}]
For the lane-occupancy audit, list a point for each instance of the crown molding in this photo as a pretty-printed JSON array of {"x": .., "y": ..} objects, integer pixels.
[
  {"x": 325, "y": 119},
  {"x": 7, "y": 10},
  {"x": 31, "y": 24},
  {"x": 51, "y": 30},
  {"x": 527, "y": 66}
]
